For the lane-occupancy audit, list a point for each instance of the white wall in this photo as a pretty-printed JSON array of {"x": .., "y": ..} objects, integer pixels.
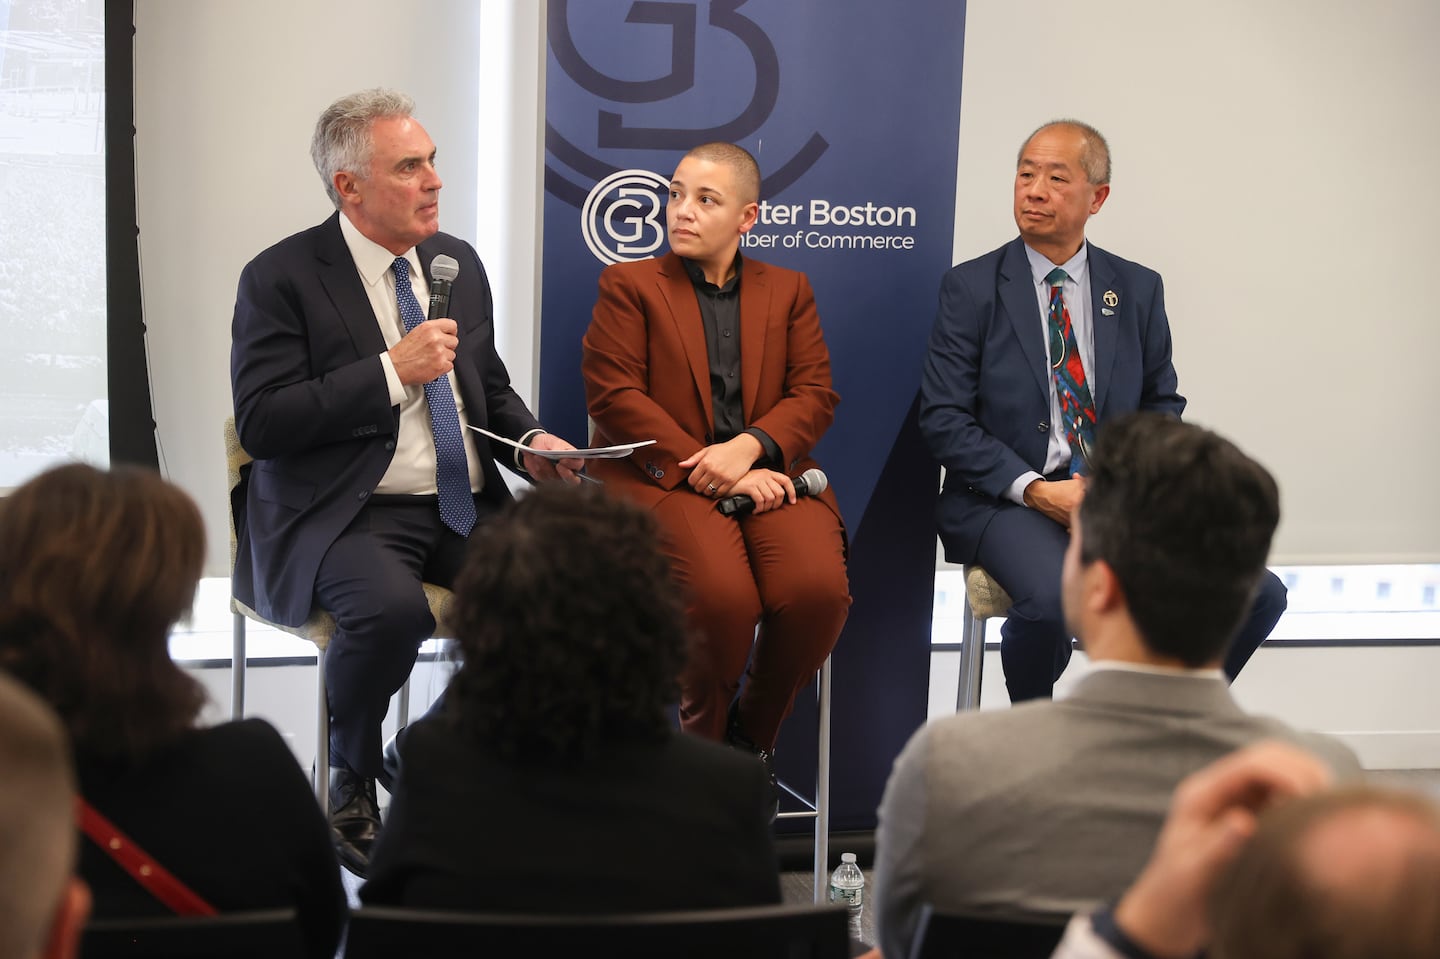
[
  {"x": 1272, "y": 161},
  {"x": 511, "y": 179}
]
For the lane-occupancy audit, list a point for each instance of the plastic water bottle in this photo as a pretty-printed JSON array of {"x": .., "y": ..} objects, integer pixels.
[{"x": 847, "y": 885}]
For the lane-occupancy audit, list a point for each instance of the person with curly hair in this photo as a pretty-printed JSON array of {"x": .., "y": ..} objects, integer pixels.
[
  {"x": 95, "y": 568},
  {"x": 554, "y": 740}
]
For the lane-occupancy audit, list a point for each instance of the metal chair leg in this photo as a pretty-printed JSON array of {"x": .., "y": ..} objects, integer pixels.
[
  {"x": 819, "y": 810},
  {"x": 822, "y": 790},
  {"x": 322, "y": 737},
  {"x": 402, "y": 706},
  {"x": 237, "y": 667},
  {"x": 972, "y": 661}
]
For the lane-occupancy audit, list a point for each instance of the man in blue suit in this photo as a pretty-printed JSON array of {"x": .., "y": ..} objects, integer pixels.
[
  {"x": 366, "y": 481},
  {"x": 1035, "y": 345}
]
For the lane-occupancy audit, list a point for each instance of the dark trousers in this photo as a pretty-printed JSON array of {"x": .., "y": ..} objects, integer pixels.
[
  {"x": 370, "y": 581},
  {"x": 1024, "y": 550}
]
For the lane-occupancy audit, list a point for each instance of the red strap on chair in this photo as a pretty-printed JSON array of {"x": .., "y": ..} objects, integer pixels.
[{"x": 157, "y": 880}]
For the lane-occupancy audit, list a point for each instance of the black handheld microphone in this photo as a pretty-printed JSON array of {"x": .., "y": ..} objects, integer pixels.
[
  {"x": 812, "y": 482},
  {"x": 443, "y": 270}
]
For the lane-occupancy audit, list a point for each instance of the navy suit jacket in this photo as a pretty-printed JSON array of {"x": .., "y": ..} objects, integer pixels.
[
  {"x": 312, "y": 406},
  {"x": 985, "y": 393}
]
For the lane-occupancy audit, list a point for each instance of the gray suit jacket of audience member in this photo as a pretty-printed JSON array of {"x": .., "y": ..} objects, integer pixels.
[{"x": 1049, "y": 808}]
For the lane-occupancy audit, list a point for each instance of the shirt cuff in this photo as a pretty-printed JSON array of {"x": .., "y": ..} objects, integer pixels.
[
  {"x": 525, "y": 441},
  {"x": 1108, "y": 931},
  {"x": 1016, "y": 492},
  {"x": 1081, "y": 942},
  {"x": 771, "y": 458},
  {"x": 392, "y": 380}
]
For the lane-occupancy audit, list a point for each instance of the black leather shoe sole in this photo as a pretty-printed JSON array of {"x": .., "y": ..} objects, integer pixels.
[{"x": 350, "y": 856}]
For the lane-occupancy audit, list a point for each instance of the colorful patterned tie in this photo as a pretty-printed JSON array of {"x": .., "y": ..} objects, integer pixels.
[
  {"x": 452, "y": 472},
  {"x": 1076, "y": 404}
]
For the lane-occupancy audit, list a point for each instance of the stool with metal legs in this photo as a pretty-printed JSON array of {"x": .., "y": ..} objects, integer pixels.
[
  {"x": 984, "y": 598},
  {"x": 318, "y": 629},
  {"x": 819, "y": 810}
]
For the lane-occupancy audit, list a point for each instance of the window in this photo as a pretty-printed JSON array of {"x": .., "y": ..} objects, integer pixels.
[
  {"x": 53, "y": 402},
  {"x": 1332, "y": 603}
]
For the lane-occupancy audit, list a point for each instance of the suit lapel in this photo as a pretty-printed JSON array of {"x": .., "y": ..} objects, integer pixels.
[
  {"x": 679, "y": 294},
  {"x": 755, "y": 314},
  {"x": 1017, "y": 294},
  {"x": 336, "y": 269},
  {"x": 1105, "y": 295}
]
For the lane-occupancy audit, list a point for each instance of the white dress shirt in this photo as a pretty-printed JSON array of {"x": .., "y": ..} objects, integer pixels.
[{"x": 412, "y": 470}]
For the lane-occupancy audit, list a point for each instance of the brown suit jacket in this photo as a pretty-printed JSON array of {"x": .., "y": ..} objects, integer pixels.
[{"x": 647, "y": 371}]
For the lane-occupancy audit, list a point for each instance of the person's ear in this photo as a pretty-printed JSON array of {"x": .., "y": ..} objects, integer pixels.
[
  {"x": 347, "y": 185},
  {"x": 751, "y": 213},
  {"x": 1098, "y": 199},
  {"x": 1104, "y": 592}
]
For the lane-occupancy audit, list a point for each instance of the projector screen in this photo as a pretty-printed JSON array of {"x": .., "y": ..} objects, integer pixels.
[{"x": 53, "y": 403}]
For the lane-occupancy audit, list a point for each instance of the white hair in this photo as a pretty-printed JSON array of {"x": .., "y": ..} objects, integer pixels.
[{"x": 342, "y": 139}]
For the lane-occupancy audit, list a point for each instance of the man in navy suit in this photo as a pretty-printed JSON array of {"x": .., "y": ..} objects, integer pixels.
[
  {"x": 366, "y": 481},
  {"x": 1012, "y": 442}
]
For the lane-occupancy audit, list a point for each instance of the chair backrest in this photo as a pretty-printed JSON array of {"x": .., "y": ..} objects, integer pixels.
[
  {"x": 270, "y": 933},
  {"x": 235, "y": 455},
  {"x": 793, "y": 932},
  {"x": 950, "y": 936}
]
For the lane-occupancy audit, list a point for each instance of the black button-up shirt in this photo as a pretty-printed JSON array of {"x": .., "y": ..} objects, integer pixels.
[{"x": 720, "y": 314}]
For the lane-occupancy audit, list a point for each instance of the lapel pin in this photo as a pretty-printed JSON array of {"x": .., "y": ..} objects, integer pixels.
[
  {"x": 1106, "y": 311},
  {"x": 1111, "y": 298}
]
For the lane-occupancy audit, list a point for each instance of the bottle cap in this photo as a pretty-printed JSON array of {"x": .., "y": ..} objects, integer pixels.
[{"x": 847, "y": 857}]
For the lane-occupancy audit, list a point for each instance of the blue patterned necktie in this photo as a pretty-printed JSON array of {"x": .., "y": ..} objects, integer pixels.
[
  {"x": 1076, "y": 404},
  {"x": 452, "y": 472}
]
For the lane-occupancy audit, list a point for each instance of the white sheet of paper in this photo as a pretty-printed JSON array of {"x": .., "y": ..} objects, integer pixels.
[{"x": 594, "y": 453}]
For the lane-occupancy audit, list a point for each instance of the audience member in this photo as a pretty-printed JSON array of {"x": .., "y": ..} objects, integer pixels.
[
  {"x": 555, "y": 743},
  {"x": 1244, "y": 869},
  {"x": 1049, "y": 807},
  {"x": 1354, "y": 874},
  {"x": 42, "y": 903},
  {"x": 95, "y": 569}
]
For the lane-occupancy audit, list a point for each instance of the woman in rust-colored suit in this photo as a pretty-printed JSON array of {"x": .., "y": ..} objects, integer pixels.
[{"x": 651, "y": 374}]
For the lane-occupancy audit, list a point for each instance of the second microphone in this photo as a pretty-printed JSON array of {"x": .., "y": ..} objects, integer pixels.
[{"x": 812, "y": 482}]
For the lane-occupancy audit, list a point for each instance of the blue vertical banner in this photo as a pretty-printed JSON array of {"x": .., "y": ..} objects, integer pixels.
[{"x": 852, "y": 108}]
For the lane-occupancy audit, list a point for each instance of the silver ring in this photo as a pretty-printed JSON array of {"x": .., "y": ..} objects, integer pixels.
[{"x": 712, "y": 487}]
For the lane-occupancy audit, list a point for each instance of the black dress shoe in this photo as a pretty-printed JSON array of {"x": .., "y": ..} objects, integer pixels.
[
  {"x": 354, "y": 819},
  {"x": 736, "y": 738}
]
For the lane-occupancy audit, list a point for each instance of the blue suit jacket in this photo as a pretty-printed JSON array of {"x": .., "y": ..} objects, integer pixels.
[
  {"x": 313, "y": 409},
  {"x": 984, "y": 396}
]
